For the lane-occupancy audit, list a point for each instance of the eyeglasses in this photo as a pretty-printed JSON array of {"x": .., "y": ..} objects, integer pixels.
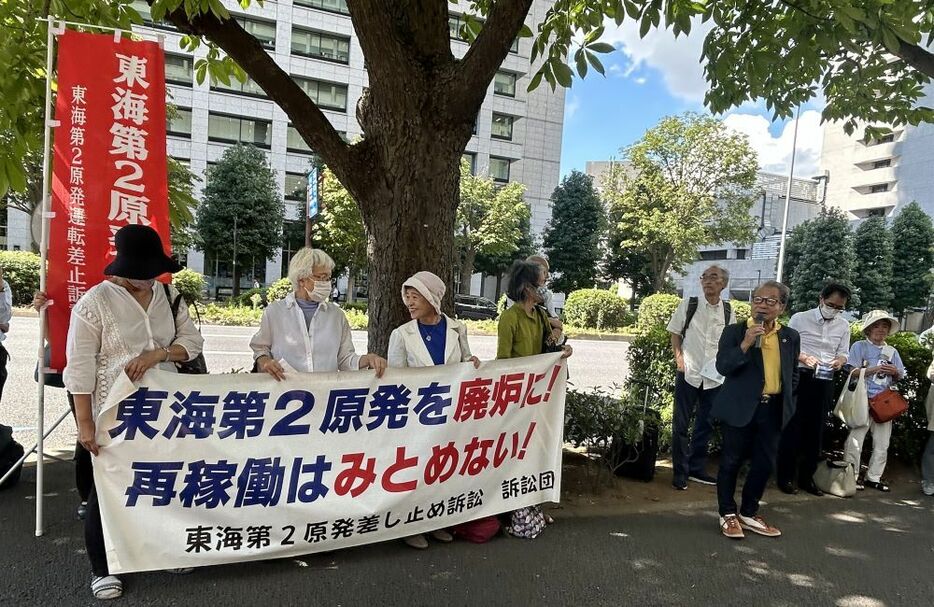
[
  {"x": 766, "y": 300},
  {"x": 834, "y": 306},
  {"x": 711, "y": 277},
  {"x": 321, "y": 277}
]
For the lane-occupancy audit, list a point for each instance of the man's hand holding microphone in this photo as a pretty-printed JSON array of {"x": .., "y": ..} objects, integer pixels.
[{"x": 754, "y": 334}]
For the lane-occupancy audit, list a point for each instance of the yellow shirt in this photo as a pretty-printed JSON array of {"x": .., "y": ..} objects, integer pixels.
[{"x": 771, "y": 359}]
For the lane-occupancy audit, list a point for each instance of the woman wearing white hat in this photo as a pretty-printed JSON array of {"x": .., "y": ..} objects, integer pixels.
[
  {"x": 430, "y": 338},
  {"x": 883, "y": 368}
]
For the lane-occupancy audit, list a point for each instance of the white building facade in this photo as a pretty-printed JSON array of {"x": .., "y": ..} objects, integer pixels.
[{"x": 518, "y": 134}]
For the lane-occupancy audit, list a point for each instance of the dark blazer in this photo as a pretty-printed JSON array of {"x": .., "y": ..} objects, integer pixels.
[{"x": 736, "y": 401}]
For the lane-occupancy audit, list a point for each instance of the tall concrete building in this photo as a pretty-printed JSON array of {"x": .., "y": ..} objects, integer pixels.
[
  {"x": 517, "y": 137},
  {"x": 878, "y": 177}
]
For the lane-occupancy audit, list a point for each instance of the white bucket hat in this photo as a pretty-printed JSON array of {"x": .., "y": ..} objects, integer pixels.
[
  {"x": 429, "y": 285},
  {"x": 875, "y": 316}
]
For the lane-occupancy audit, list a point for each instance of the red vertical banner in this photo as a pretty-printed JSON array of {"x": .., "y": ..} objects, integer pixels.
[{"x": 109, "y": 164}]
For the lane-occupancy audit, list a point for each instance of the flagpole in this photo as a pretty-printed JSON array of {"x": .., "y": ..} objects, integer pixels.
[{"x": 791, "y": 173}]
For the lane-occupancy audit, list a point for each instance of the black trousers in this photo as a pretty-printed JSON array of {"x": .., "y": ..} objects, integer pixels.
[
  {"x": 757, "y": 441},
  {"x": 801, "y": 444},
  {"x": 94, "y": 537},
  {"x": 84, "y": 471},
  {"x": 689, "y": 453},
  {"x": 4, "y": 357}
]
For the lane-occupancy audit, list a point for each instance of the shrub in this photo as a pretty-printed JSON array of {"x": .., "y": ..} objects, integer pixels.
[
  {"x": 742, "y": 310},
  {"x": 652, "y": 366},
  {"x": 358, "y": 320},
  {"x": 656, "y": 310},
  {"x": 237, "y": 316},
  {"x": 246, "y": 298},
  {"x": 21, "y": 270},
  {"x": 360, "y": 306},
  {"x": 190, "y": 284},
  {"x": 501, "y": 304},
  {"x": 596, "y": 309},
  {"x": 278, "y": 290}
]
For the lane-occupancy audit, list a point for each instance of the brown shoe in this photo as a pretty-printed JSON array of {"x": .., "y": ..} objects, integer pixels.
[
  {"x": 730, "y": 527},
  {"x": 757, "y": 524}
]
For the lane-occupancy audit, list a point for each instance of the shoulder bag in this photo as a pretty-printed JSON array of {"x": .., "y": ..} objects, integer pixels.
[
  {"x": 887, "y": 405},
  {"x": 853, "y": 405},
  {"x": 196, "y": 366}
]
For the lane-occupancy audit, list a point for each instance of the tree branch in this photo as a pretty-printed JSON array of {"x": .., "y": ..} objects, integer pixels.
[
  {"x": 486, "y": 54},
  {"x": 306, "y": 117},
  {"x": 917, "y": 57}
]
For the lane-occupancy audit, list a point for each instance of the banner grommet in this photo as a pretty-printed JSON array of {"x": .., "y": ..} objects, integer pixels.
[
  {"x": 118, "y": 36},
  {"x": 58, "y": 28},
  {"x": 53, "y": 123}
]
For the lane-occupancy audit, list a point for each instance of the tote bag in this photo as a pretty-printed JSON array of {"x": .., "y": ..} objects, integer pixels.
[{"x": 853, "y": 405}]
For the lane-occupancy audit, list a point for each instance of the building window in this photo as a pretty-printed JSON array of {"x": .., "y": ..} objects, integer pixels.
[
  {"x": 471, "y": 159},
  {"x": 741, "y": 253},
  {"x": 881, "y": 187},
  {"x": 264, "y": 31},
  {"x": 248, "y": 88},
  {"x": 295, "y": 143},
  {"x": 233, "y": 129},
  {"x": 180, "y": 125},
  {"x": 886, "y": 138},
  {"x": 328, "y": 95},
  {"x": 456, "y": 24},
  {"x": 179, "y": 69},
  {"x": 296, "y": 186},
  {"x": 320, "y": 45},
  {"x": 504, "y": 83},
  {"x": 499, "y": 169},
  {"x": 881, "y": 164},
  {"x": 876, "y": 213},
  {"x": 502, "y": 127},
  {"x": 715, "y": 254},
  {"x": 333, "y": 6},
  {"x": 145, "y": 13}
]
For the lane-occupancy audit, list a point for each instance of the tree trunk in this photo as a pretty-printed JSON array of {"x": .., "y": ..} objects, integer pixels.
[
  {"x": 499, "y": 286},
  {"x": 351, "y": 285},
  {"x": 236, "y": 280},
  {"x": 470, "y": 255}
]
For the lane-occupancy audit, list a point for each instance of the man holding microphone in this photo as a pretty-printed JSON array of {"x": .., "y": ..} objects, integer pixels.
[
  {"x": 759, "y": 362},
  {"x": 825, "y": 344}
]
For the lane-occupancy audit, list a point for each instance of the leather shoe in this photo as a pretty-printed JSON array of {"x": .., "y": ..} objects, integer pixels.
[
  {"x": 788, "y": 488},
  {"x": 813, "y": 489}
]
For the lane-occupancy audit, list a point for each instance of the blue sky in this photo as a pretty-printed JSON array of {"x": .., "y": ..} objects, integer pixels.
[{"x": 657, "y": 76}]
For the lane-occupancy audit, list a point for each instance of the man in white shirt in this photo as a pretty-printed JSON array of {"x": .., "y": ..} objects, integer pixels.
[
  {"x": 825, "y": 343},
  {"x": 695, "y": 330},
  {"x": 6, "y": 313}
]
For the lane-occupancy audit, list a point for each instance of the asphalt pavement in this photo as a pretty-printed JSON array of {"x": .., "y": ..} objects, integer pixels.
[
  {"x": 874, "y": 550},
  {"x": 594, "y": 363}
]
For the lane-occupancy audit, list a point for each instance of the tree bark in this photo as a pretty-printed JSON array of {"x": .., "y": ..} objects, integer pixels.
[{"x": 470, "y": 256}]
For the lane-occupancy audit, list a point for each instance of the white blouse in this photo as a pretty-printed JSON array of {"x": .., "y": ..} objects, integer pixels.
[
  {"x": 324, "y": 345},
  {"x": 109, "y": 328}
]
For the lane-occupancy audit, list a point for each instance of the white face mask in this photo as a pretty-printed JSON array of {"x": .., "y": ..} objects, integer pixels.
[
  {"x": 321, "y": 291},
  {"x": 828, "y": 312},
  {"x": 141, "y": 285}
]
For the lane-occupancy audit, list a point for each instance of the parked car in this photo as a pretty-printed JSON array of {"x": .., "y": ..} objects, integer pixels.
[{"x": 474, "y": 307}]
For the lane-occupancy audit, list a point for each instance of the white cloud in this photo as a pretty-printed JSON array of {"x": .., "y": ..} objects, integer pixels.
[
  {"x": 571, "y": 107},
  {"x": 775, "y": 152},
  {"x": 640, "y": 80},
  {"x": 678, "y": 59}
]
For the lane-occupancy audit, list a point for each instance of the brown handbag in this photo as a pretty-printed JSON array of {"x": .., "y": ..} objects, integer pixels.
[{"x": 887, "y": 405}]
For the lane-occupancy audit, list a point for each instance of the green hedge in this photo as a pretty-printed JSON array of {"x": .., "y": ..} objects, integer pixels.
[
  {"x": 190, "y": 284},
  {"x": 597, "y": 309},
  {"x": 360, "y": 306},
  {"x": 246, "y": 298},
  {"x": 656, "y": 310},
  {"x": 21, "y": 270},
  {"x": 278, "y": 290},
  {"x": 238, "y": 316}
]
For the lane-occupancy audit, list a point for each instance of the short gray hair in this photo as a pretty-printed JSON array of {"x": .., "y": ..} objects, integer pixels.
[
  {"x": 783, "y": 291},
  {"x": 723, "y": 271},
  {"x": 304, "y": 261}
]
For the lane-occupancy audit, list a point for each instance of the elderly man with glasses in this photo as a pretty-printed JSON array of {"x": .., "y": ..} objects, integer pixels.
[
  {"x": 759, "y": 361},
  {"x": 825, "y": 344},
  {"x": 695, "y": 329}
]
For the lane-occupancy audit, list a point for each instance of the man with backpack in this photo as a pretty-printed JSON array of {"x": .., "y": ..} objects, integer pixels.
[{"x": 695, "y": 329}]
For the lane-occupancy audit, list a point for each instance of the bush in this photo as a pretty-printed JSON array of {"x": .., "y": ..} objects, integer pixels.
[
  {"x": 360, "y": 306},
  {"x": 190, "y": 284},
  {"x": 652, "y": 366},
  {"x": 21, "y": 270},
  {"x": 656, "y": 310},
  {"x": 597, "y": 309},
  {"x": 742, "y": 310},
  {"x": 358, "y": 320},
  {"x": 501, "y": 304},
  {"x": 278, "y": 290},
  {"x": 246, "y": 298},
  {"x": 236, "y": 316}
]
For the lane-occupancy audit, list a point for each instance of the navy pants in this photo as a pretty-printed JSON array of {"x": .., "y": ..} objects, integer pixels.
[
  {"x": 758, "y": 442},
  {"x": 801, "y": 444},
  {"x": 689, "y": 453}
]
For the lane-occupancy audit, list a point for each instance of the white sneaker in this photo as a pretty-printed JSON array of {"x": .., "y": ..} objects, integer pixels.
[{"x": 927, "y": 487}]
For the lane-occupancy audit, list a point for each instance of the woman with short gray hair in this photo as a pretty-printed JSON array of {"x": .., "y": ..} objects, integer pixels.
[{"x": 306, "y": 331}]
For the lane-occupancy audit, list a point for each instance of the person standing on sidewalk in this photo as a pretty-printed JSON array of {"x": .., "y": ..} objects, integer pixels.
[
  {"x": 6, "y": 314},
  {"x": 759, "y": 362},
  {"x": 695, "y": 329},
  {"x": 927, "y": 460},
  {"x": 825, "y": 343}
]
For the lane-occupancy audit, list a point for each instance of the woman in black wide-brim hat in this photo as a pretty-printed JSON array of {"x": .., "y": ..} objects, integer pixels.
[{"x": 124, "y": 324}]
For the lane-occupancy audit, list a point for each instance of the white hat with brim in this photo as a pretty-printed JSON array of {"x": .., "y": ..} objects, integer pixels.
[{"x": 875, "y": 316}]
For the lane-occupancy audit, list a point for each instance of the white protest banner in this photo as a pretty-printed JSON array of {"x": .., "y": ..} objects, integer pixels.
[{"x": 206, "y": 469}]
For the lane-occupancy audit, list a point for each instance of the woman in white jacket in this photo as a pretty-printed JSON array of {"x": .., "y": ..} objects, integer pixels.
[
  {"x": 430, "y": 338},
  {"x": 927, "y": 461}
]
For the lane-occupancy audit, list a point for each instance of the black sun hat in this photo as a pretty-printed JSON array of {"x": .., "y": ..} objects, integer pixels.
[{"x": 140, "y": 255}]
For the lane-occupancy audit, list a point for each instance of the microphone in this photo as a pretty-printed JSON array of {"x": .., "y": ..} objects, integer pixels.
[{"x": 760, "y": 319}]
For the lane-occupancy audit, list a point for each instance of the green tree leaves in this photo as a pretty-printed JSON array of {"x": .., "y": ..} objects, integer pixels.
[{"x": 573, "y": 238}]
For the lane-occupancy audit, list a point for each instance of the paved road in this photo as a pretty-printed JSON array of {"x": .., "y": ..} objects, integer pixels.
[
  {"x": 874, "y": 550},
  {"x": 595, "y": 363}
]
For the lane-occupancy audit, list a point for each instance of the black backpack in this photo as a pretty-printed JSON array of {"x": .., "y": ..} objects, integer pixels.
[{"x": 692, "y": 309}]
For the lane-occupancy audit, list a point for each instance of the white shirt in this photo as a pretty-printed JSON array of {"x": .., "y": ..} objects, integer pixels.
[
  {"x": 109, "y": 329},
  {"x": 823, "y": 339},
  {"x": 407, "y": 348},
  {"x": 702, "y": 339},
  {"x": 325, "y": 344},
  {"x": 6, "y": 307},
  {"x": 548, "y": 303}
]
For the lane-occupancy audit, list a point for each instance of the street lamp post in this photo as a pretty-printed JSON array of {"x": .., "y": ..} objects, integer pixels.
[{"x": 791, "y": 172}]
